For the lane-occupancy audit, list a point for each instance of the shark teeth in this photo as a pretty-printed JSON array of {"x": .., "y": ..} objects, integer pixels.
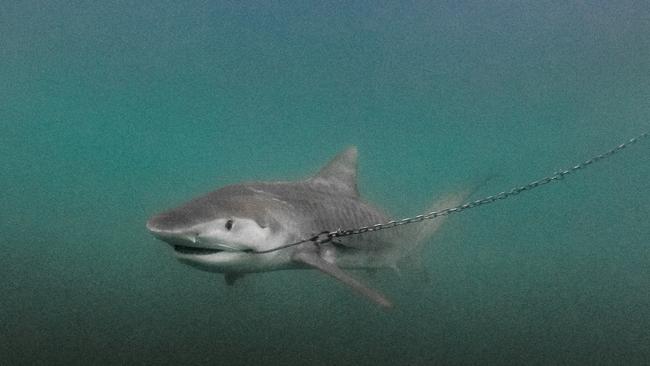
[{"x": 194, "y": 250}]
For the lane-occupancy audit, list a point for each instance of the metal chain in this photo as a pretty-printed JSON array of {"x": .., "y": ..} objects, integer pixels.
[{"x": 327, "y": 236}]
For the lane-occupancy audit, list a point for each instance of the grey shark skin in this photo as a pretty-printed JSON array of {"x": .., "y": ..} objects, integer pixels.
[{"x": 222, "y": 231}]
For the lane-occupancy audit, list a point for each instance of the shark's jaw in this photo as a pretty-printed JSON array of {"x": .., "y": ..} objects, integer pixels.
[
  {"x": 221, "y": 261},
  {"x": 187, "y": 250},
  {"x": 215, "y": 260},
  {"x": 219, "y": 257}
]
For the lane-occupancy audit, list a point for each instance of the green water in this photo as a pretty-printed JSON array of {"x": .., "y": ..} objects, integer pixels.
[{"x": 112, "y": 111}]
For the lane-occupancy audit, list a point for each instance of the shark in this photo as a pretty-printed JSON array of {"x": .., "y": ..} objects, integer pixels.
[{"x": 249, "y": 227}]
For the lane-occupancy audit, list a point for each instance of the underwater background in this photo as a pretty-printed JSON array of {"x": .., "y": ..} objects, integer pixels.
[{"x": 113, "y": 111}]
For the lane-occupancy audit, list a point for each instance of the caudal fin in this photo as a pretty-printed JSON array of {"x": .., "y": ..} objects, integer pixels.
[
  {"x": 423, "y": 231},
  {"x": 420, "y": 233}
]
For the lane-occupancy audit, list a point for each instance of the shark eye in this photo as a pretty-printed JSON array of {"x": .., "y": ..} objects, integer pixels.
[{"x": 228, "y": 225}]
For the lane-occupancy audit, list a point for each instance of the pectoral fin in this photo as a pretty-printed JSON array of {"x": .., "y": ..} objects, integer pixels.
[{"x": 313, "y": 259}]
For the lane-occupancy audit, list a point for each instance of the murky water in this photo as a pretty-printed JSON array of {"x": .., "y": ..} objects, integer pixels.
[{"x": 113, "y": 111}]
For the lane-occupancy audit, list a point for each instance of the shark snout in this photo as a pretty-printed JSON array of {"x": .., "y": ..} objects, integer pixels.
[
  {"x": 186, "y": 237},
  {"x": 174, "y": 237},
  {"x": 153, "y": 226}
]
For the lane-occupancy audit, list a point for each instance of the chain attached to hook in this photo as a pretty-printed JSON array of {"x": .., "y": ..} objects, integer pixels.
[{"x": 327, "y": 236}]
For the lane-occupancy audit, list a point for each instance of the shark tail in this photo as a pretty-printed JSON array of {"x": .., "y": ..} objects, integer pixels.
[
  {"x": 428, "y": 228},
  {"x": 420, "y": 233}
]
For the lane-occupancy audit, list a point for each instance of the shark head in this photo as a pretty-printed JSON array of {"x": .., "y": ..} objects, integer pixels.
[{"x": 222, "y": 230}]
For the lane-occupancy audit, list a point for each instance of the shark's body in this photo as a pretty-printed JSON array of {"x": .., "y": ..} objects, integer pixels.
[{"x": 225, "y": 230}]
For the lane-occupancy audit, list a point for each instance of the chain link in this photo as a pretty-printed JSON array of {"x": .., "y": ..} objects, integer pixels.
[{"x": 327, "y": 236}]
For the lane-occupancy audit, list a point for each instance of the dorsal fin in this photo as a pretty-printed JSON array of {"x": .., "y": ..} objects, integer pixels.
[{"x": 340, "y": 173}]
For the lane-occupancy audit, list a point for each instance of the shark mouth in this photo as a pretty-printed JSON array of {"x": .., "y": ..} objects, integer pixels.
[{"x": 182, "y": 249}]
